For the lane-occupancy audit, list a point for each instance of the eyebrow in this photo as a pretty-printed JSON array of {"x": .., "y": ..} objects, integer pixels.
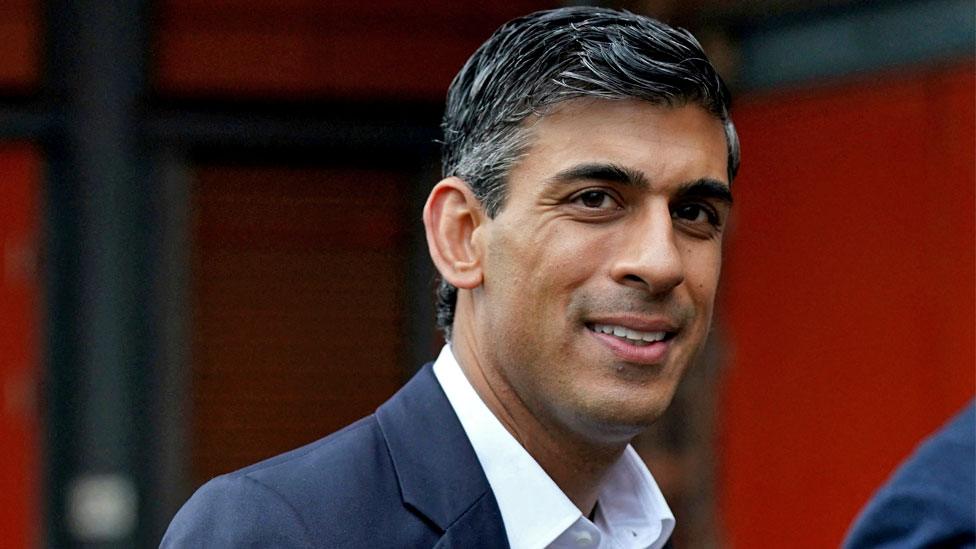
[
  {"x": 706, "y": 188},
  {"x": 613, "y": 173}
]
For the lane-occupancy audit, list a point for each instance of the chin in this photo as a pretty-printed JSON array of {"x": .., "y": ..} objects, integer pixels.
[{"x": 618, "y": 421}]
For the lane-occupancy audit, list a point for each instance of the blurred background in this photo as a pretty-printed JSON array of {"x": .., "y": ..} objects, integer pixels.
[{"x": 211, "y": 249}]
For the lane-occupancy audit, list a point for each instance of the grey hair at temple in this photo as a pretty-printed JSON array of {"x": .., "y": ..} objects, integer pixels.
[{"x": 534, "y": 62}]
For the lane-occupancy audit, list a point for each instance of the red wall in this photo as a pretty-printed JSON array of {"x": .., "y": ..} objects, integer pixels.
[
  {"x": 19, "y": 310},
  {"x": 849, "y": 297},
  {"x": 20, "y": 48},
  {"x": 297, "y": 282},
  {"x": 309, "y": 48}
]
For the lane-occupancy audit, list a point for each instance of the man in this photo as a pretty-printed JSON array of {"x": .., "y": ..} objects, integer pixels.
[
  {"x": 930, "y": 501},
  {"x": 588, "y": 155}
]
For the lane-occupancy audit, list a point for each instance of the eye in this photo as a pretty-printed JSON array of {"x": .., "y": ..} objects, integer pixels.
[
  {"x": 694, "y": 213},
  {"x": 596, "y": 199}
]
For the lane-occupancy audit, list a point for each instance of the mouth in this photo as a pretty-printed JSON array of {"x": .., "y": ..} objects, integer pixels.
[
  {"x": 637, "y": 338},
  {"x": 647, "y": 346}
]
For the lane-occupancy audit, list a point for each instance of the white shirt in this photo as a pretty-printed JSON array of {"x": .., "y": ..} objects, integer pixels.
[{"x": 631, "y": 511}]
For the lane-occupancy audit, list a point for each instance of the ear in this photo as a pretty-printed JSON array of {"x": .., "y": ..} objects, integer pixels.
[{"x": 452, "y": 216}]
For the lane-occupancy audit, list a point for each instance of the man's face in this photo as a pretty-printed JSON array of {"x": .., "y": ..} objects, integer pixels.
[{"x": 601, "y": 268}]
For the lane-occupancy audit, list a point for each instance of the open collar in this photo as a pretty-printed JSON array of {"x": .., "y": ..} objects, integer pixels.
[
  {"x": 437, "y": 469},
  {"x": 535, "y": 511}
]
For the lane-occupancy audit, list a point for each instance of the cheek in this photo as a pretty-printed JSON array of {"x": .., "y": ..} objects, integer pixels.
[
  {"x": 514, "y": 283},
  {"x": 702, "y": 269},
  {"x": 576, "y": 251},
  {"x": 547, "y": 260},
  {"x": 505, "y": 256}
]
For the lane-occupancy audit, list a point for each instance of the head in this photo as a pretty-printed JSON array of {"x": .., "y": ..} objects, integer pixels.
[
  {"x": 588, "y": 157},
  {"x": 534, "y": 62}
]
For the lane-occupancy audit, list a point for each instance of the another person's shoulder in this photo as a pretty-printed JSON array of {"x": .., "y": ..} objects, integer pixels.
[
  {"x": 330, "y": 493},
  {"x": 931, "y": 498}
]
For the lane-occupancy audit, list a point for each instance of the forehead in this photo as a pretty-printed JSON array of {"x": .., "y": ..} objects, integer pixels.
[{"x": 662, "y": 142}]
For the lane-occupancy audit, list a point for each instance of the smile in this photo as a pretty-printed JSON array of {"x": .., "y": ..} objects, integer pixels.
[{"x": 631, "y": 336}]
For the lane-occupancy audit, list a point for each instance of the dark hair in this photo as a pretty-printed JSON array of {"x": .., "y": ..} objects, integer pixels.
[{"x": 536, "y": 61}]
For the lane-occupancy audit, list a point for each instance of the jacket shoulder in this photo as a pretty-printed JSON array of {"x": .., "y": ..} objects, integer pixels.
[
  {"x": 340, "y": 491},
  {"x": 931, "y": 499},
  {"x": 234, "y": 511}
]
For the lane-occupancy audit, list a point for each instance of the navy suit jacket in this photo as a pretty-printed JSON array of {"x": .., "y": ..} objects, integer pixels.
[
  {"x": 931, "y": 500},
  {"x": 405, "y": 476}
]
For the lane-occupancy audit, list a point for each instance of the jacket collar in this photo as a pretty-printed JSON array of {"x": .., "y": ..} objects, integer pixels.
[{"x": 438, "y": 471}]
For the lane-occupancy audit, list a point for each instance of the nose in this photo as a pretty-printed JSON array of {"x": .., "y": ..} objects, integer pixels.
[{"x": 648, "y": 257}]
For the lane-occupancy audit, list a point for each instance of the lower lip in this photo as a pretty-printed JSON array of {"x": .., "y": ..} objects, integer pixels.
[{"x": 645, "y": 354}]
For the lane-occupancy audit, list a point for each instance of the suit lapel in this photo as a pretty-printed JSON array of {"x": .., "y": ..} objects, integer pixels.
[
  {"x": 480, "y": 527},
  {"x": 438, "y": 471}
]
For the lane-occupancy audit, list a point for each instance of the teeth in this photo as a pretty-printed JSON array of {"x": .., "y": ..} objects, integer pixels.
[{"x": 627, "y": 333}]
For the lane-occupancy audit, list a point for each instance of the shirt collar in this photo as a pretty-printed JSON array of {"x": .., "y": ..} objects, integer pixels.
[{"x": 535, "y": 511}]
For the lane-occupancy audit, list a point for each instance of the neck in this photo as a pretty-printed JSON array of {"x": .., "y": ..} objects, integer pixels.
[
  {"x": 577, "y": 468},
  {"x": 575, "y": 463}
]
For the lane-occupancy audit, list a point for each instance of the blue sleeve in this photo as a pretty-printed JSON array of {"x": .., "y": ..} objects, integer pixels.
[
  {"x": 236, "y": 511},
  {"x": 931, "y": 500}
]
